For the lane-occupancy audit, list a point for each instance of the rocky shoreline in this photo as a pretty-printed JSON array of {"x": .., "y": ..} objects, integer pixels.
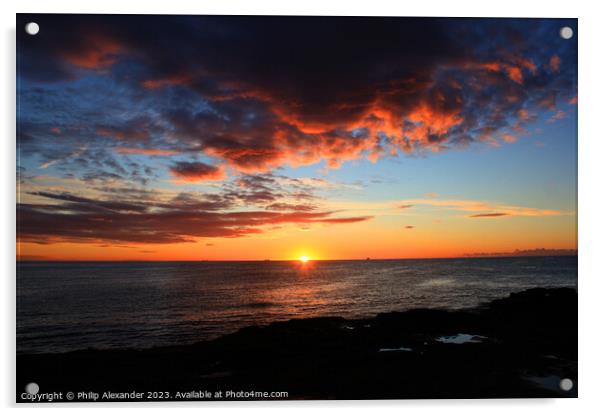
[{"x": 519, "y": 346}]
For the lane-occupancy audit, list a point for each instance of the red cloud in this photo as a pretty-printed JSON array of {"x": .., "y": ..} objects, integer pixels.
[
  {"x": 197, "y": 172},
  {"x": 284, "y": 138},
  {"x": 432, "y": 120},
  {"x": 97, "y": 52},
  {"x": 489, "y": 66},
  {"x": 513, "y": 67},
  {"x": 527, "y": 64},
  {"x": 555, "y": 63},
  {"x": 256, "y": 127},
  {"x": 515, "y": 74}
]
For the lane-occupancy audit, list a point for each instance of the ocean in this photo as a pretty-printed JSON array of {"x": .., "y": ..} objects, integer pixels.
[{"x": 66, "y": 306}]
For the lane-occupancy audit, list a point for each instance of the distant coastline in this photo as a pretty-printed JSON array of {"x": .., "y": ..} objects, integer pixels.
[{"x": 537, "y": 252}]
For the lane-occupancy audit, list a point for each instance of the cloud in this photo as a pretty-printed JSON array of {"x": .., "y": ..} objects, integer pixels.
[
  {"x": 145, "y": 151},
  {"x": 515, "y": 74},
  {"x": 483, "y": 208},
  {"x": 460, "y": 207},
  {"x": 555, "y": 63},
  {"x": 74, "y": 154},
  {"x": 197, "y": 172},
  {"x": 79, "y": 219},
  {"x": 283, "y": 206},
  {"x": 509, "y": 138},
  {"x": 134, "y": 130},
  {"x": 177, "y": 79},
  {"x": 347, "y": 220},
  {"x": 351, "y": 90},
  {"x": 489, "y": 215},
  {"x": 257, "y": 182},
  {"x": 98, "y": 52},
  {"x": 558, "y": 115},
  {"x": 255, "y": 197}
]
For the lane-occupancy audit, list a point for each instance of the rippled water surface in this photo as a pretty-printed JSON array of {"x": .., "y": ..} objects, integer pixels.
[{"x": 69, "y": 306}]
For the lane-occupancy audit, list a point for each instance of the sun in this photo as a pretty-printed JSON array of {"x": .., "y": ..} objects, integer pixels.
[{"x": 303, "y": 259}]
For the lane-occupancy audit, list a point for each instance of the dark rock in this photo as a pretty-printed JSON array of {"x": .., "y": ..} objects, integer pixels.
[{"x": 522, "y": 339}]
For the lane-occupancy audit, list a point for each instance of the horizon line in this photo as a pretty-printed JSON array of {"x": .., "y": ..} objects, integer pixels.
[{"x": 508, "y": 255}]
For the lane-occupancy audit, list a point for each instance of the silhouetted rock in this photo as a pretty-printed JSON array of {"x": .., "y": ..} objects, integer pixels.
[{"x": 519, "y": 346}]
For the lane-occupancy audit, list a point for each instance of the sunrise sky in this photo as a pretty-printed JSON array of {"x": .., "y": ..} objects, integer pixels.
[{"x": 222, "y": 138}]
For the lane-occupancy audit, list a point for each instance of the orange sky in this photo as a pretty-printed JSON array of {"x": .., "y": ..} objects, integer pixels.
[{"x": 405, "y": 235}]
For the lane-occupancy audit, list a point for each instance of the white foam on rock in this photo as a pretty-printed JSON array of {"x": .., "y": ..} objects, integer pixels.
[
  {"x": 395, "y": 349},
  {"x": 461, "y": 339}
]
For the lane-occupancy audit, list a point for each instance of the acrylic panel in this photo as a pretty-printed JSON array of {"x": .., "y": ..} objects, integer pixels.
[{"x": 286, "y": 207}]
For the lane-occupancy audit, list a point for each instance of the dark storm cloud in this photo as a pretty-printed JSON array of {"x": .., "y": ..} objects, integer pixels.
[{"x": 272, "y": 91}]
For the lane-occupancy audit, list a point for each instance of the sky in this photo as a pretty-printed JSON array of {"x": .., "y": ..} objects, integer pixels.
[{"x": 252, "y": 138}]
